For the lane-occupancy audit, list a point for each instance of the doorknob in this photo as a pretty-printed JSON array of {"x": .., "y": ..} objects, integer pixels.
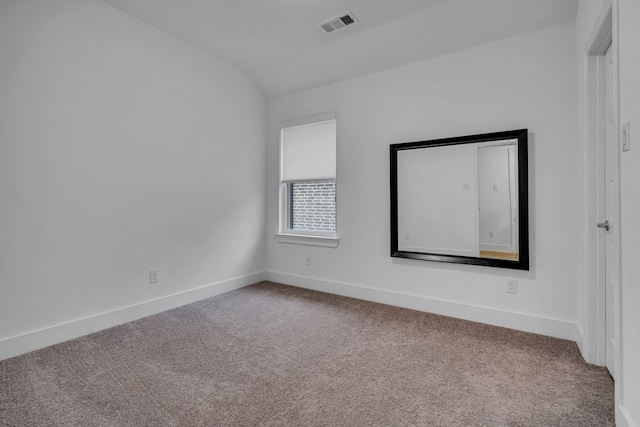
[{"x": 606, "y": 225}]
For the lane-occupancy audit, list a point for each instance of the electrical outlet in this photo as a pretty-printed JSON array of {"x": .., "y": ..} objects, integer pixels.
[
  {"x": 154, "y": 276},
  {"x": 309, "y": 260},
  {"x": 492, "y": 233},
  {"x": 512, "y": 286}
]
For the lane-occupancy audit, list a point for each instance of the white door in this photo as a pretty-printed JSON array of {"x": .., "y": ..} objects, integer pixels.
[{"x": 611, "y": 215}]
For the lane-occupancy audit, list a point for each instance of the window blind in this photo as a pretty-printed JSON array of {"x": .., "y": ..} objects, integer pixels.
[{"x": 308, "y": 152}]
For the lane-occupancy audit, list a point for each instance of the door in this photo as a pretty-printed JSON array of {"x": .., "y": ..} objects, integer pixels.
[{"x": 611, "y": 214}]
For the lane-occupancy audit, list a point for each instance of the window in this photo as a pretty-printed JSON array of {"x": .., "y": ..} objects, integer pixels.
[{"x": 308, "y": 181}]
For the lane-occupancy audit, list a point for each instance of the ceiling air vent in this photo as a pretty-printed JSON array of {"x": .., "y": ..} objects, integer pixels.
[{"x": 337, "y": 23}]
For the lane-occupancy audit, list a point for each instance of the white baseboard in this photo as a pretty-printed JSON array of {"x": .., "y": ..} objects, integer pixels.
[
  {"x": 623, "y": 419},
  {"x": 579, "y": 339},
  {"x": 34, "y": 340},
  {"x": 523, "y": 322}
]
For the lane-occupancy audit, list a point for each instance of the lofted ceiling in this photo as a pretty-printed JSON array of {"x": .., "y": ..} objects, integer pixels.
[{"x": 279, "y": 44}]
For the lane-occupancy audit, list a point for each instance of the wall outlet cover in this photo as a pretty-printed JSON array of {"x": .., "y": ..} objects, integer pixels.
[{"x": 154, "y": 276}]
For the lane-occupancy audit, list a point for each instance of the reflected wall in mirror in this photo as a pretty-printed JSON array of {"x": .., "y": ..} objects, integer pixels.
[{"x": 462, "y": 200}]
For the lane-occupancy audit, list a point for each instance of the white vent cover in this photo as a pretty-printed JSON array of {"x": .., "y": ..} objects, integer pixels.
[{"x": 338, "y": 22}]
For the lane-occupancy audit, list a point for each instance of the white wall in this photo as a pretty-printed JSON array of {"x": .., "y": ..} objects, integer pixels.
[
  {"x": 122, "y": 149},
  {"x": 522, "y": 82},
  {"x": 626, "y": 34}
]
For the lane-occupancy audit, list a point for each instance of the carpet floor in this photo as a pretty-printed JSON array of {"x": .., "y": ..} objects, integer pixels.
[{"x": 275, "y": 355}]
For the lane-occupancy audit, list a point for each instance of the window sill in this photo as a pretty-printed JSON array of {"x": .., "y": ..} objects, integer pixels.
[{"x": 309, "y": 240}]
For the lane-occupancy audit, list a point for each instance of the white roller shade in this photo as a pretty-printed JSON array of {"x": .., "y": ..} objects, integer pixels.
[{"x": 308, "y": 152}]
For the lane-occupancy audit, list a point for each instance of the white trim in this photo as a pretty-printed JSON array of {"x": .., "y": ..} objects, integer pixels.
[
  {"x": 605, "y": 29},
  {"x": 623, "y": 419},
  {"x": 593, "y": 349},
  {"x": 55, "y": 334},
  {"x": 602, "y": 33},
  {"x": 524, "y": 322},
  {"x": 618, "y": 328},
  {"x": 284, "y": 235},
  {"x": 579, "y": 338},
  {"x": 308, "y": 239},
  {"x": 308, "y": 120}
]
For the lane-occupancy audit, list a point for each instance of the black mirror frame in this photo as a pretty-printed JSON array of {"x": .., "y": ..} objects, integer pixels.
[{"x": 523, "y": 199}]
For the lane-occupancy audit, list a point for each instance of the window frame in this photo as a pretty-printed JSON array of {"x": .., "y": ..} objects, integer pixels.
[{"x": 302, "y": 237}]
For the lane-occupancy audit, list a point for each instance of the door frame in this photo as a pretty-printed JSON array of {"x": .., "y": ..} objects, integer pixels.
[{"x": 594, "y": 334}]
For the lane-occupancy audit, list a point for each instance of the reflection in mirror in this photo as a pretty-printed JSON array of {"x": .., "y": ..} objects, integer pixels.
[
  {"x": 461, "y": 200},
  {"x": 497, "y": 201}
]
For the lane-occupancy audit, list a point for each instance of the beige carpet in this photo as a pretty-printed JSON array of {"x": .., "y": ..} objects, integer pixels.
[{"x": 273, "y": 355}]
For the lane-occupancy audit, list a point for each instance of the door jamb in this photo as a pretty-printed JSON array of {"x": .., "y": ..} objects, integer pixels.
[
  {"x": 595, "y": 134},
  {"x": 594, "y": 345}
]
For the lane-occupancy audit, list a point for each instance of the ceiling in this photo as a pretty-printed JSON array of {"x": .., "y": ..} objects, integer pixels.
[{"x": 279, "y": 44}]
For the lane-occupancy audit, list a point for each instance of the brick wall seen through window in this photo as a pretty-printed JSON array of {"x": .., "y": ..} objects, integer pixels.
[{"x": 313, "y": 206}]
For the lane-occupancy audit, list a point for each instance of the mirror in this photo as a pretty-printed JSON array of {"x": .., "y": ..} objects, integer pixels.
[{"x": 462, "y": 200}]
